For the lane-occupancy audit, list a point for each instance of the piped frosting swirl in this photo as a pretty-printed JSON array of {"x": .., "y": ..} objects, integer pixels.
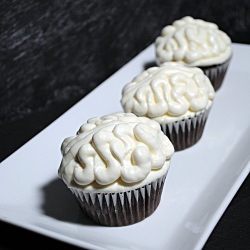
[
  {"x": 119, "y": 147},
  {"x": 167, "y": 93},
  {"x": 194, "y": 42}
]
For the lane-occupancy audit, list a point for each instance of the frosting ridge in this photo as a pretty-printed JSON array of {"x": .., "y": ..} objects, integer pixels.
[
  {"x": 115, "y": 148},
  {"x": 194, "y": 42},
  {"x": 168, "y": 92}
]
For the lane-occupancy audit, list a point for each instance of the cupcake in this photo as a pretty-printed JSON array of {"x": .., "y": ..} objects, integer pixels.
[
  {"x": 198, "y": 43},
  {"x": 116, "y": 166},
  {"x": 178, "y": 97}
]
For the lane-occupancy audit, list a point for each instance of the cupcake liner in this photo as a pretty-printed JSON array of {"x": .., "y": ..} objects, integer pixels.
[
  {"x": 216, "y": 73},
  {"x": 123, "y": 208},
  {"x": 185, "y": 133}
]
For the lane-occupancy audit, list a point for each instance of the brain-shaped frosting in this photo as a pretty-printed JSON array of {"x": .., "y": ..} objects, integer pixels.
[
  {"x": 117, "y": 146},
  {"x": 171, "y": 90},
  {"x": 194, "y": 42}
]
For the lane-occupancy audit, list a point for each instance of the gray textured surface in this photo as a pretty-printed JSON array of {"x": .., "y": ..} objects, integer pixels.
[
  {"x": 52, "y": 53},
  {"x": 56, "y": 51}
]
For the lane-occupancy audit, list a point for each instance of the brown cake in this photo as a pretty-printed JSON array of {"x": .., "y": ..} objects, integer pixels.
[
  {"x": 195, "y": 42},
  {"x": 178, "y": 97},
  {"x": 116, "y": 166}
]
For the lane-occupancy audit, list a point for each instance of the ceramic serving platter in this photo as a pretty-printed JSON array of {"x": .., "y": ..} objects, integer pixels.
[{"x": 201, "y": 182}]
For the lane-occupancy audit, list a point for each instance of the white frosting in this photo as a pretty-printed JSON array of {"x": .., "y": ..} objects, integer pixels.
[
  {"x": 168, "y": 93},
  {"x": 115, "y": 152},
  {"x": 194, "y": 42}
]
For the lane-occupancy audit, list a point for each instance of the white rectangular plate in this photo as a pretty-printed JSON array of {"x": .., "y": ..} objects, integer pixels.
[{"x": 201, "y": 182}]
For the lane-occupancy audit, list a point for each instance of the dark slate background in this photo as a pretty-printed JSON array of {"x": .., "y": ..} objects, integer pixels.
[{"x": 52, "y": 53}]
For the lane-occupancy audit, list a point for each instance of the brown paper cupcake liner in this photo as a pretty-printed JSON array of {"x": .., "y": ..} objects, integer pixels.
[
  {"x": 185, "y": 133},
  {"x": 124, "y": 208},
  {"x": 216, "y": 73}
]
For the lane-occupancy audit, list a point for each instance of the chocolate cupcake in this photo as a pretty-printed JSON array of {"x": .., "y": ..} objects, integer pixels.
[
  {"x": 195, "y": 42},
  {"x": 178, "y": 97},
  {"x": 116, "y": 166}
]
